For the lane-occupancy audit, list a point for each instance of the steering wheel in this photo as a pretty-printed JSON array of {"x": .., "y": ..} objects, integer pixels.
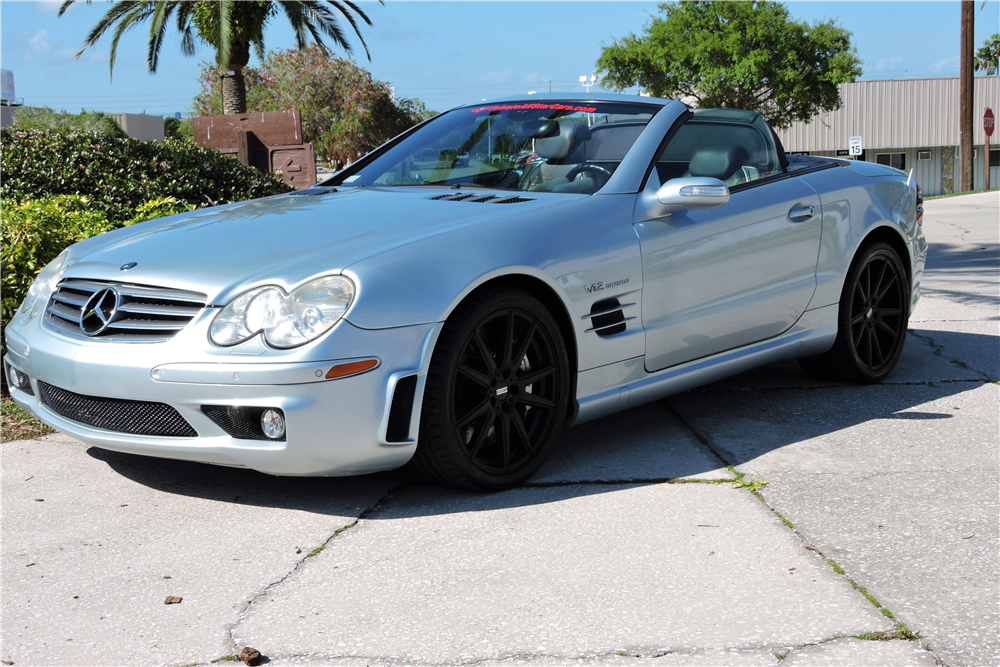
[{"x": 586, "y": 166}]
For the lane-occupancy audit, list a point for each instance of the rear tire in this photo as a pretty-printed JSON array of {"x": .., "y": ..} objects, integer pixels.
[
  {"x": 871, "y": 323},
  {"x": 496, "y": 394}
]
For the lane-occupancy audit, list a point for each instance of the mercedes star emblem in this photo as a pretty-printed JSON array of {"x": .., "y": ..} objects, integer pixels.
[
  {"x": 130, "y": 265},
  {"x": 100, "y": 311}
]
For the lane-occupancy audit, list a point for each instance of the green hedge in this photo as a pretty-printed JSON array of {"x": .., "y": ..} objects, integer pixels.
[
  {"x": 33, "y": 233},
  {"x": 119, "y": 175}
]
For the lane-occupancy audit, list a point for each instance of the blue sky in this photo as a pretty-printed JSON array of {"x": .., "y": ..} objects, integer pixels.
[{"x": 445, "y": 53}]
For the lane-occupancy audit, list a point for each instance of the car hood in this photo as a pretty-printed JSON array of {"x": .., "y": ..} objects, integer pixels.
[{"x": 283, "y": 240}]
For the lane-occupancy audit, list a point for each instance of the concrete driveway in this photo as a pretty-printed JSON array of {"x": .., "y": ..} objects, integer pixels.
[{"x": 764, "y": 520}]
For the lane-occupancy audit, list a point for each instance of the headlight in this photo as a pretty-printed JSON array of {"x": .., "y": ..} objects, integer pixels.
[
  {"x": 287, "y": 320},
  {"x": 40, "y": 290}
]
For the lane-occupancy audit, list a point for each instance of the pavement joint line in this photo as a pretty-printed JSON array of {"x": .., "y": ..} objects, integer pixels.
[
  {"x": 365, "y": 513},
  {"x": 811, "y": 387},
  {"x": 938, "y": 350},
  {"x": 780, "y": 652},
  {"x": 901, "y": 632},
  {"x": 625, "y": 482}
]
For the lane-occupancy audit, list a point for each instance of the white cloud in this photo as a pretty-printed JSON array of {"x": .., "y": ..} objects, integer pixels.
[
  {"x": 496, "y": 77},
  {"x": 888, "y": 63},
  {"x": 40, "y": 47},
  {"x": 947, "y": 63},
  {"x": 48, "y": 6}
]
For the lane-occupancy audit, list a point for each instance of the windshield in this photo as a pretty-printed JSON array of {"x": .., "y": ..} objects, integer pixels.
[{"x": 525, "y": 146}]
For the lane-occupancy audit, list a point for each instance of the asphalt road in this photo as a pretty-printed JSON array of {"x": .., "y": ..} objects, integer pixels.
[{"x": 858, "y": 503}]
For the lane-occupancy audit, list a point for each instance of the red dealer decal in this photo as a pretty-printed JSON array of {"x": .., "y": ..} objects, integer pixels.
[{"x": 534, "y": 105}]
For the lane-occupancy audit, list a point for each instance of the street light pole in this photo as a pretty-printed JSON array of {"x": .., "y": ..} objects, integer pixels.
[
  {"x": 588, "y": 84},
  {"x": 965, "y": 112}
]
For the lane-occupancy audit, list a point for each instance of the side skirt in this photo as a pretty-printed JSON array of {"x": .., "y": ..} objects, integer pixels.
[{"x": 625, "y": 384}]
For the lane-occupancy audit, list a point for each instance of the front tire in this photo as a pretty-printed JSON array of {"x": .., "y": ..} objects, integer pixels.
[
  {"x": 496, "y": 395},
  {"x": 871, "y": 325}
]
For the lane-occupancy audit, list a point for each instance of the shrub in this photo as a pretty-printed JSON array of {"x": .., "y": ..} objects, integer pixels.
[
  {"x": 120, "y": 174},
  {"x": 178, "y": 128},
  {"x": 43, "y": 118},
  {"x": 33, "y": 233},
  {"x": 345, "y": 112}
]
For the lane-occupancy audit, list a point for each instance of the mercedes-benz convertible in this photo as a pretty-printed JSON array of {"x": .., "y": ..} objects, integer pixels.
[{"x": 460, "y": 296}]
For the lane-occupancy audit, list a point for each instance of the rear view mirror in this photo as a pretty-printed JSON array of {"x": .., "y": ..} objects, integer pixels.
[{"x": 688, "y": 194}]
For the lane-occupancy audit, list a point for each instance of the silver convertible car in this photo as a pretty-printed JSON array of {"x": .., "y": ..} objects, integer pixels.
[{"x": 458, "y": 297}]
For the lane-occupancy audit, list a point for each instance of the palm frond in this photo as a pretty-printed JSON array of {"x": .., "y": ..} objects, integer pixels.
[
  {"x": 157, "y": 30},
  {"x": 139, "y": 12},
  {"x": 225, "y": 12},
  {"x": 185, "y": 15},
  {"x": 347, "y": 15},
  {"x": 294, "y": 14}
]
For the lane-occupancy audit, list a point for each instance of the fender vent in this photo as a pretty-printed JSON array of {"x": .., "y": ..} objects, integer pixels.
[
  {"x": 607, "y": 317},
  {"x": 480, "y": 199},
  {"x": 398, "y": 429}
]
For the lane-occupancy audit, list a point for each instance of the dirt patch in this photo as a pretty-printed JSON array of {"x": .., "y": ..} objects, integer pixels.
[{"x": 16, "y": 424}]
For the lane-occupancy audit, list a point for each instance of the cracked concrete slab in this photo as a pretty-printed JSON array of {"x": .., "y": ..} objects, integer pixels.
[
  {"x": 644, "y": 443},
  {"x": 565, "y": 571},
  {"x": 892, "y": 489},
  {"x": 90, "y": 537},
  {"x": 860, "y": 653}
]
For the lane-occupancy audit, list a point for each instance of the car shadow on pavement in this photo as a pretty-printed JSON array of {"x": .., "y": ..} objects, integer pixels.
[
  {"x": 961, "y": 274},
  {"x": 649, "y": 443}
]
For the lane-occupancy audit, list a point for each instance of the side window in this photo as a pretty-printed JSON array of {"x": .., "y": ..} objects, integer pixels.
[{"x": 732, "y": 146}]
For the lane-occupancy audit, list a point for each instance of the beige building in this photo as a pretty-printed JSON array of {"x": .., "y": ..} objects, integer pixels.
[{"x": 908, "y": 124}]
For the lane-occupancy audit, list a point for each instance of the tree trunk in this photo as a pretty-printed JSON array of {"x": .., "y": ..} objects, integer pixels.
[
  {"x": 234, "y": 92},
  {"x": 234, "y": 89}
]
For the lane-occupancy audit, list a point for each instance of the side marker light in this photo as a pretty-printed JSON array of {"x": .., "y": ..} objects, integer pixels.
[{"x": 351, "y": 368}]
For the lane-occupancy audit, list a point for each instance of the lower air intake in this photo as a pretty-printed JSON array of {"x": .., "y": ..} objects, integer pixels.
[
  {"x": 398, "y": 429},
  {"x": 116, "y": 414},
  {"x": 240, "y": 423}
]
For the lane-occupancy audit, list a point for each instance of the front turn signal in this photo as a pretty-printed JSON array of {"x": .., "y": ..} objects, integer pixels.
[{"x": 351, "y": 368}]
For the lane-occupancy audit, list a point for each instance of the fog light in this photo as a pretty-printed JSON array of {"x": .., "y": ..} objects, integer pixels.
[{"x": 272, "y": 422}]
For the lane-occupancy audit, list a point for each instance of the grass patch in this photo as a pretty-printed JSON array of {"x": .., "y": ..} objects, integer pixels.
[
  {"x": 901, "y": 632},
  {"x": 232, "y": 657},
  {"x": 16, "y": 424},
  {"x": 315, "y": 552},
  {"x": 836, "y": 568},
  {"x": 955, "y": 194}
]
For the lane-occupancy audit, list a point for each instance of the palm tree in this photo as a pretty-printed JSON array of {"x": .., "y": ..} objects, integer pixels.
[{"x": 230, "y": 27}]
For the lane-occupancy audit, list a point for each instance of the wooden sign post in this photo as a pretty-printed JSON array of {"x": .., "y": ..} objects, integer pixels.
[{"x": 270, "y": 142}]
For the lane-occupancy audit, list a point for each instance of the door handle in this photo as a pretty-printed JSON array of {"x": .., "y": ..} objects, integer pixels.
[{"x": 800, "y": 214}]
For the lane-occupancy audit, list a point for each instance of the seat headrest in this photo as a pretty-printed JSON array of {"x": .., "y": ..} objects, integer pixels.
[
  {"x": 559, "y": 145},
  {"x": 720, "y": 163}
]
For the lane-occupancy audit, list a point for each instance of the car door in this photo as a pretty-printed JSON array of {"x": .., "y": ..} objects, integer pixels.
[{"x": 719, "y": 279}]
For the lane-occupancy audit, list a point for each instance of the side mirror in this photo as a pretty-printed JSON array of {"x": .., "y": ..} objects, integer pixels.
[{"x": 688, "y": 194}]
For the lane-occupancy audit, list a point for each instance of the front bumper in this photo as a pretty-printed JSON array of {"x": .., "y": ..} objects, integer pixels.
[{"x": 333, "y": 427}]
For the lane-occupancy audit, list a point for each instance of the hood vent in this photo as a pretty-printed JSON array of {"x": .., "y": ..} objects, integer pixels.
[{"x": 480, "y": 199}]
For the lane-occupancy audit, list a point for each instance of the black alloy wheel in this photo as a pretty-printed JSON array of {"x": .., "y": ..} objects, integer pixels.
[
  {"x": 874, "y": 312},
  {"x": 877, "y": 321},
  {"x": 496, "y": 395}
]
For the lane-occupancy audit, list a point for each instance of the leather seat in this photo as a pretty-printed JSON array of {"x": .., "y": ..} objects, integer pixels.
[{"x": 723, "y": 163}]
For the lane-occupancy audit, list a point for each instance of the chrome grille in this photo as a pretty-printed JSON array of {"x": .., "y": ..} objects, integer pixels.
[{"x": 143, "y": 314}]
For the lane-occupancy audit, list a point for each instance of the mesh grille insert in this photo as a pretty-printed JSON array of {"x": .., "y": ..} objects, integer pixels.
[
  {"x": 240, "y": 423},
  {"x": 600, "y": 321},
  {"x": 21, "y": 382},
  {"x": 398, "y": 429},
  {"x": 116, "y": 414}
]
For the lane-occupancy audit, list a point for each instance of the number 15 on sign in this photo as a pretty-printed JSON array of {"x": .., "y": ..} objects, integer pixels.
[{"x": 855, "y": 146}]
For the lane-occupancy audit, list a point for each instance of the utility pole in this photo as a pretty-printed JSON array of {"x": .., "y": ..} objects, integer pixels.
[{"x": 965, "y": 113}]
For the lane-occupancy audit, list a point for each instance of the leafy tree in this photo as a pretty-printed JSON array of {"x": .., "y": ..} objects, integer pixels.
[
  {"x": 989, "y": 55},
  {"x": 43, "y": 118},
  {"x": 345, "y": 112},
  {"x": 230, "y": 27},
  {"x": 743, "y": 55}
]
